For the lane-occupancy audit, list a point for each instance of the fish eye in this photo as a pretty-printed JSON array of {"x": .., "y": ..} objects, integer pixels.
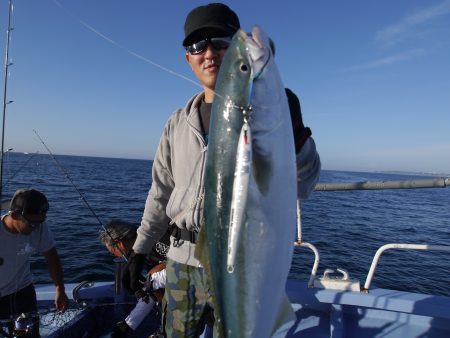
[{"x": 244, "y": 68}]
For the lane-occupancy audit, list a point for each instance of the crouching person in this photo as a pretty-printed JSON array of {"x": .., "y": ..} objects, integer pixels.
[
  {"x": 119, "y": 236},
  {"x": 24, "y": 232}
]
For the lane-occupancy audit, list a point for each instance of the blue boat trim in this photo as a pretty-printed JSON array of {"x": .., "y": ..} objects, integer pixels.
[{"x": 319, "y": 312}]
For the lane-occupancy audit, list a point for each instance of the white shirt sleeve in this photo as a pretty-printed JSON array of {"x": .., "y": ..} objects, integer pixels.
[{"x": 159, "y": 279}]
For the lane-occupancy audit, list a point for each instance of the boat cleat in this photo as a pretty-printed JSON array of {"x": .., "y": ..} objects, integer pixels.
[{"x": 330, "y": 280}]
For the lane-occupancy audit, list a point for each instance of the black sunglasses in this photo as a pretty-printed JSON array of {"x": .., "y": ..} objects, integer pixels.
[
  {"x": 32, "y": 224},
  {"x": 200, "y": 46}
]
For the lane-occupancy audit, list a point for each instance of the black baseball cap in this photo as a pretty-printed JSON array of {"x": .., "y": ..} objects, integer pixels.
[
  {"x": 214, "y": 16},
  {"x": 29, "y": 201}
]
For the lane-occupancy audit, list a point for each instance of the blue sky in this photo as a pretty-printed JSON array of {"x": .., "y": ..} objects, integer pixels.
[{"x": 373, "y": 76}]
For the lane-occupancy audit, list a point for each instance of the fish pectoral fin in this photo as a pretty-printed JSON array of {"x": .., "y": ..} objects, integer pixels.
[{"x": 285, "y": 316}]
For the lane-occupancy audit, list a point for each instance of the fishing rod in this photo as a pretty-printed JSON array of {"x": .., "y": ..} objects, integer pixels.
[
  {"x": 66, "y": 174},
  {"x": 7, "y": 64}
]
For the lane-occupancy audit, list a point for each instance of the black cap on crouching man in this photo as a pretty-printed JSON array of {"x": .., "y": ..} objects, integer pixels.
[
  {"x": 29, "y": 201},
  {"x": 213, "y": 16}
]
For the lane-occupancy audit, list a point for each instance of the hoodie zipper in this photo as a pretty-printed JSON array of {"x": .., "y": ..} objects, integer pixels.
[{"x": 199, "y": 193}]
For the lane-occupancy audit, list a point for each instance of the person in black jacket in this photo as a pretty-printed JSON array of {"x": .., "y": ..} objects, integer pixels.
[{"x": 118, "y": 238}]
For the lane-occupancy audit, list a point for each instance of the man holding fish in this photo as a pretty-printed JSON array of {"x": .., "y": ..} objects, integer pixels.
[{"x": 193, "y": 184}]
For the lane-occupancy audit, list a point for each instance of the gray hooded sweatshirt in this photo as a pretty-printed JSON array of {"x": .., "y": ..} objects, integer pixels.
[{"x": 177, "y": 182}]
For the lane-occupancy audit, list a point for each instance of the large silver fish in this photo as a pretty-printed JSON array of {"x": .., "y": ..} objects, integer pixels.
[{"x": 249, "y": 290}]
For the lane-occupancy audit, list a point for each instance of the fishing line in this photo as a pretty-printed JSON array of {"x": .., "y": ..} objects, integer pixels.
[
  {"x": 20, "y": 168},
  {"x": 64, "y": 171},
  {"x": 129, "y": 51}
]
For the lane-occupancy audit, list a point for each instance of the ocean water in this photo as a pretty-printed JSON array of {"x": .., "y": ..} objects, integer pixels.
[{"x": 346, "y": 227}]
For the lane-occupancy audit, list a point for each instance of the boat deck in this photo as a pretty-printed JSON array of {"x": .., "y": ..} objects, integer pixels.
[
  {"x": 380, "y": 313},
  {"x": 319, "y": 313}
]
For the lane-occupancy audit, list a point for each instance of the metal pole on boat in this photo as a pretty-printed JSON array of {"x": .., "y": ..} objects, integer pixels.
[
  {"x": 385, "y": 247},
  {"x": 380, "y": 185},
  {"x": 299, "y": 221},
  {"x": 7, "y": 64},
  {"x": 300, "y": 243}
]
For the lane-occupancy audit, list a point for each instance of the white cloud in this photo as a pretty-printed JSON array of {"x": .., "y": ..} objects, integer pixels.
[
  {"x": 388, "y": 60},
  {"x": 411, "y": 23}
]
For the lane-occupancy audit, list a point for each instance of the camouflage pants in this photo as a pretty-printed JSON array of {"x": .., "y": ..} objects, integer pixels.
[{"x": 187, "y": 301}]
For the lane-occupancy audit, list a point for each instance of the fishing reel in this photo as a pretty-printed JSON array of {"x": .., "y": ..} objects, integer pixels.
[
  {"x": 24, "y": 324},
  {"x": 23, "y": 327},
  {"x": 147, "y": 291}
]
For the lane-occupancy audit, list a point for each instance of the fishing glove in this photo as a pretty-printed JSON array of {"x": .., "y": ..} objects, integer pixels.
[
  {"x": 301, "y": 133},
  {"x": 132, "y": 273}
]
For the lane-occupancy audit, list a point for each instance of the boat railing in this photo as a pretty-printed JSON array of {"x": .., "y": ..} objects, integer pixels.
[
  {"x": 385, "y": 247},
  {"x": 440, "y": 182},
  {"x": 316, "y": 260}
]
